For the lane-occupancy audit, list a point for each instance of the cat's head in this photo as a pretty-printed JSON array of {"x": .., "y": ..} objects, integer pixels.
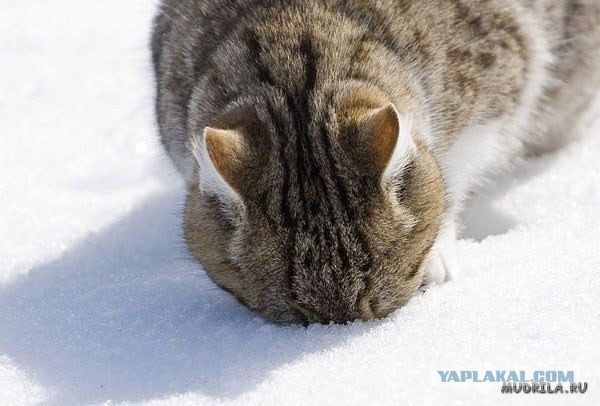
[{"x": 327, "y": 216}]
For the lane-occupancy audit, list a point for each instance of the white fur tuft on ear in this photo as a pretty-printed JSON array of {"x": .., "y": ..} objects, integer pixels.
[
  {"x": 404, "y": 150},
  {"x": 210, "y": 180}
]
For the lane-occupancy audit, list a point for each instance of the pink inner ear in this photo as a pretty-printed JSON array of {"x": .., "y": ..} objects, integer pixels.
[
  {"x": 383, "y": 130},
  {"x": 225, "y": 149}
]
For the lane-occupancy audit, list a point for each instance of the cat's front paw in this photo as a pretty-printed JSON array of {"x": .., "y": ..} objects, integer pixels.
[{"x": 442, "y": 265}]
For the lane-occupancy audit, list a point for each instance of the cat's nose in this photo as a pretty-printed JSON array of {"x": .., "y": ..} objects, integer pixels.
[
  {"x": 364, "y": 313},
  {"x": 350, "y": 316},
  {"x": 340, "y": 319},
  {"x": 362, "y": 310},
  {"x": 339, "y": 314}
]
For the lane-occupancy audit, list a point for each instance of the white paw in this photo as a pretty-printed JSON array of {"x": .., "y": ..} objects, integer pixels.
[
  {"x": 450, "y": 264},
  {"x": 442, "y": 265},
  {"x": 435, "y": 272}
]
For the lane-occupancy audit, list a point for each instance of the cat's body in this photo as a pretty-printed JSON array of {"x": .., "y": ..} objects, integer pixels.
[{"x": 351, "y": 132}]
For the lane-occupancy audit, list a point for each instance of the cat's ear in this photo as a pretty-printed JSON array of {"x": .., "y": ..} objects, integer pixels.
[
  {"x": 387, "y": 138},
  {"x": 226, "y": 151},
  {"x": 220, "y": 155}
]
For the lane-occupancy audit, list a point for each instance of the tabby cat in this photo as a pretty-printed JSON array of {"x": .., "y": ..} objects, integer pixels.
[{"x": 328, "y": 145}]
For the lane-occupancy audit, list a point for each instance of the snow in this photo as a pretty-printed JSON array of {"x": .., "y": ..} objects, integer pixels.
[{"x": 100, "y": 303}]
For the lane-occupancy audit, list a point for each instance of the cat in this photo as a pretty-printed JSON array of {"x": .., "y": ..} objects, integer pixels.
[{"x": 329, "y": 145}]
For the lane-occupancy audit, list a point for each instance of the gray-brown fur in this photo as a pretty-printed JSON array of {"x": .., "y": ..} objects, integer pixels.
[{"x": 318, "y": 234}]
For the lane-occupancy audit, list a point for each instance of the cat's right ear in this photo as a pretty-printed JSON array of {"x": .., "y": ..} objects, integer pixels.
[{"x": 220, "y": 155}]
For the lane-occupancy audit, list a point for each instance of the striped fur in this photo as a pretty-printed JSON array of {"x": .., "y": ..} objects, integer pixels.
[{"x": 309, "y": 226}]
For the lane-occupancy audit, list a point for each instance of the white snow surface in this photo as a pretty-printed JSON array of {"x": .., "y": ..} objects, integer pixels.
[{"x": 100, "y": 302}]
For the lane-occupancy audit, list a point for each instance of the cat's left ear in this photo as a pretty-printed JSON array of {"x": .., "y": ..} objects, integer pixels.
[{"x": 385, "y": 138}]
